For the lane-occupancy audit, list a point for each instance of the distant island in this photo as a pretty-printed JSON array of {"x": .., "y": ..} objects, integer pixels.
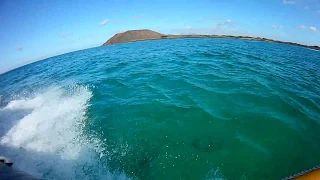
[{"x": 145, "y": 34}]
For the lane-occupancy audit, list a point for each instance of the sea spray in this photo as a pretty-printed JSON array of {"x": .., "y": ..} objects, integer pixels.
[{"x": 44, "y": 135}]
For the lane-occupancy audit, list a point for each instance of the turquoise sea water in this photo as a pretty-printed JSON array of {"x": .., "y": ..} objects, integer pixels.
[{"x": 165, "y": 109}]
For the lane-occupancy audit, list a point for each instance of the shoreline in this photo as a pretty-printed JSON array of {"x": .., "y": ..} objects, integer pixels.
[
  {"x": 114, "y": 40},
  {"x": 214, "y": 36}
]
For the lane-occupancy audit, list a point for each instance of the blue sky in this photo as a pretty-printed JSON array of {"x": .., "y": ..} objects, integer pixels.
[{"x": 34, "y": 30}]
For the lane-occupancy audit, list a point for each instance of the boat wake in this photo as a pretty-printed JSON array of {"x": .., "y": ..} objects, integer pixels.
[{"x": 44, "y": 135}]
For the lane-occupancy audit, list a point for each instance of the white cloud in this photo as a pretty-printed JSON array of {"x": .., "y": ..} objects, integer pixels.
[
  {"x": 288, "y": 2},
  {"x": 302, "y": 27},
  {"x": 19, "y": 48},
  {"x": 188, "y": 27},
  {"x": 226, "y": 23},
  {"x": 277, "y": 26},
  {"x": 106, "y": 21},
  {"x": 311, "y": 28}
]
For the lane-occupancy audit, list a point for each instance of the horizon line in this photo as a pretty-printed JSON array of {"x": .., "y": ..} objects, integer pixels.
[{"x": 191, "y": 34}]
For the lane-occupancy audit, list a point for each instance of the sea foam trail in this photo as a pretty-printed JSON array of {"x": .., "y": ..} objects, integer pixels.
[{"x": 44, "y": 135}]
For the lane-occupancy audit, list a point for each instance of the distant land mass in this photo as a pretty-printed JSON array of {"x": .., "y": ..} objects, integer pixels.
[
  {"x": 134, "y": 35},
  {"x": 146, "y": 34}
]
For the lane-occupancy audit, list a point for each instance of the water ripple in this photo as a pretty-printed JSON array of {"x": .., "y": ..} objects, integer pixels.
[{"x": 161, "y": 107}]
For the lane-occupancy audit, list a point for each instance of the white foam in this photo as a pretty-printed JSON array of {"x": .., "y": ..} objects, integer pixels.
[
  {"x": 48, "y": 139},
  {"x": 53, "y": 125}
]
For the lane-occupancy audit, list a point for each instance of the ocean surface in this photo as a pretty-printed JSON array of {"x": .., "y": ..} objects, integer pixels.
[{"x": 165, "y": 109}]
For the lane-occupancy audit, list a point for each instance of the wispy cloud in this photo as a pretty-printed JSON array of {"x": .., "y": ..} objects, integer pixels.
[
  {"x": 103, "y": 23},
  {"x": 188, "y": 27},
  {"x": 226, "y": 23},
  {"x": 19, "y": 48},
  {"x": 208, "y": 31},
  {"x": 310, "y": 28},
  {"x": 288, "y": 2},
  {"x": 65, "y": 34},
  {"x": 302, "y": 27},
  {"x": 277, "y": 26},
  {"x": 314, "y": 29}
]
